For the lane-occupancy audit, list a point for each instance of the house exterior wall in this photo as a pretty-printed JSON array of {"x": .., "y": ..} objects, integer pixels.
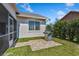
[
  {"x": 71, "y": 16},
  {"x": 24, "y": 28}
]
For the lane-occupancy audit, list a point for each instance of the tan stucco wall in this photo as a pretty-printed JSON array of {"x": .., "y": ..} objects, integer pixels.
[
  {"x": 42, "y": 27},
  {"x": 24, "y": 29}
]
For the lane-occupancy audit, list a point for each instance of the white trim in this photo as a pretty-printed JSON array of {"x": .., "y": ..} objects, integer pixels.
[
  {"x": 7, "y": 34},
  {"x": 10, "y": 30}
]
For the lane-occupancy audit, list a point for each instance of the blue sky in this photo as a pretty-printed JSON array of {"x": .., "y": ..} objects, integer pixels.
[{"x": 51, "y": 10}]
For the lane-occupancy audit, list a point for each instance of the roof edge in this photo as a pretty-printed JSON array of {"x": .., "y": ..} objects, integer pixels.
[
  {"x": 69, "y": 13},
  {"x": 25, "y": 15}
]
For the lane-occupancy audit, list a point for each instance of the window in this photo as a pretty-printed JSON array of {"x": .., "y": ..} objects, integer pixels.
[
  {"x": 37, "y": 25},
  {"x": 33, "y": 25}
]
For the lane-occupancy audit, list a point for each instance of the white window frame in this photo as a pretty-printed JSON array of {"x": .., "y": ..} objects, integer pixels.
[{"x": 34, "y": 26}]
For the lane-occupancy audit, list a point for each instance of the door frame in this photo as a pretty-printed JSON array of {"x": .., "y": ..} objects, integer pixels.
[{"x": 10, "y": 30}]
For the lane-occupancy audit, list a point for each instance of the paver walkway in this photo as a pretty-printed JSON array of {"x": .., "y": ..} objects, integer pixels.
[{"x": 38, "y": 44}]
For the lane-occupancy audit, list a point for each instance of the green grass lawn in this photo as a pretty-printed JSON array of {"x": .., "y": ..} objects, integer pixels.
[
  {"x": 29, "y": 38},
  {"x": 67, "y": 49}
]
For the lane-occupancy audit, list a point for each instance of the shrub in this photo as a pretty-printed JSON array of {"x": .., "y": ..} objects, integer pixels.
[{"x": 67, "y": 29}]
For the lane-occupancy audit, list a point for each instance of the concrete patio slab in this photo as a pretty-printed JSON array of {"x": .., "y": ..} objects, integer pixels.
[{"x": 38, "y": 44}]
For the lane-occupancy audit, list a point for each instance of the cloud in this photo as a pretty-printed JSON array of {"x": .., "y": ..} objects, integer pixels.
[
  {"x": 70, "y": 4},
  {"x": 27, "y": 7},
  {"x": 68, "y": 9},
  {"x": 60, "y": 14}
]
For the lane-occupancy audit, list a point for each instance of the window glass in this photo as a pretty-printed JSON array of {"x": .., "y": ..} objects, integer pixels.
[
  {"x": 37, "y": 25},
  {"x": 31, "y": 25}
]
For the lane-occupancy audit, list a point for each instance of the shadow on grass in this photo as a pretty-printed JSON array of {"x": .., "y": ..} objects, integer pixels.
[{"x": 77, "y": 42}]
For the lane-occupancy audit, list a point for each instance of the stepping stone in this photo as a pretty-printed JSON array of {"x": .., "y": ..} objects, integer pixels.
[{"x": 38, "y": 44}]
